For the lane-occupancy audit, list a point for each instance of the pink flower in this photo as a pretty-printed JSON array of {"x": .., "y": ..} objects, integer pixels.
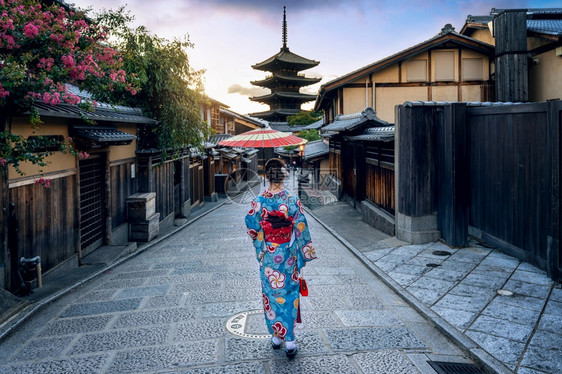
[
  {"x": 68, "y": 60},
  {"x": 44, "y": 182},
  {"x": 3, "y": 92},
  {"x": 30, "y": 30},
  {"x": 3, "y": 161}
]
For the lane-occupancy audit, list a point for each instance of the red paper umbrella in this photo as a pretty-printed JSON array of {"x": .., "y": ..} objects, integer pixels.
[{"x": 262, "y": 138}]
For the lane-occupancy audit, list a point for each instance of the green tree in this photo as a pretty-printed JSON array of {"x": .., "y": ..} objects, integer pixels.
[
  {"x": 171, "y": 91},
  {"x": 304, "y": 118},
  {"x": 310, "y": 135}
]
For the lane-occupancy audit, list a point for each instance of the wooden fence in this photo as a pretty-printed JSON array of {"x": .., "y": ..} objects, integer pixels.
[
  {"x": 122, "y": 185},
  {"x": 379, "y": 180},
  {"x": 489, "y": 171},
  {"x": 47, "y": 222}
]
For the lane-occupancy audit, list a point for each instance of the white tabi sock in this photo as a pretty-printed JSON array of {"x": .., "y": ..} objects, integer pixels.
[
  {"x": 275, "y": 340},
  {"x": 290, "y": 345}
]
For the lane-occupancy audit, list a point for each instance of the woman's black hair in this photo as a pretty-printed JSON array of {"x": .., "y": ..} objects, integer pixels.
[{"x": 275, "y": 169}]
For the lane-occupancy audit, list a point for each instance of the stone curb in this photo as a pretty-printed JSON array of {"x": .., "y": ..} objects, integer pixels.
[
  {"x": 489, "y": 362},
  {"x": 20, "y": 317}
]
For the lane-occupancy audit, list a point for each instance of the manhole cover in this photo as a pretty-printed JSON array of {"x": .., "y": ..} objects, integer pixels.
[
  {"x": 442, "y": 367},
  {"x": 237, "y": 324},
  {"x": 441, "y": 253}
]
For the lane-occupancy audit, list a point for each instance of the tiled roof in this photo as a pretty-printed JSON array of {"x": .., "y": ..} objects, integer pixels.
[
  {"x": 282, "y": 151},
  {"x": 545, "y": 26},
  {"x": 542, "y": 21},
  {"x": 284, "y": 95},
  {"x": 353, "y": 121},
  {"x": 277, "y": 77},
  {"x": 271, "y": 113},
  {"x": 315, "y": 149},
  {"x": 100, "y": 113},
  {"x": 102, "y": 135},
  {"x": 284, "y": 126},
  {"x": 471, "y": 103},
  {"x": 315, "y": 126},
  {"x": 214, "y": 140},
  {"x": 285, "y": 57},
  {"x": 384, "y": 134}
]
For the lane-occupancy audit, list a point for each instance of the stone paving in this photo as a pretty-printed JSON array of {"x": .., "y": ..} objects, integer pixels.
[
  {"x": 521, "y": 328},
  {"x": 168, "y": 310}
]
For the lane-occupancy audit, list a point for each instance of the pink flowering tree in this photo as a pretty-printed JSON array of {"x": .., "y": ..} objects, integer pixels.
[{"x": 41, "y": 49}]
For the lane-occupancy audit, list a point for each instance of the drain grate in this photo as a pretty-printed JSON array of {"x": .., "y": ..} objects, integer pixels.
[{"x": 442, "y": 367}]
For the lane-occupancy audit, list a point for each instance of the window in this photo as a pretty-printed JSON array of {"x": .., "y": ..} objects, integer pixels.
[
  {"x": 472, "y": 69},
  {"x": 444, "y": 66},
  {"x": 416, "y": 71}
]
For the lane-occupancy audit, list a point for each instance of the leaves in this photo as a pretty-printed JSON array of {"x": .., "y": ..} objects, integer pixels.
[
  {"x": 170, "y": 89},
  {"x": 304, "y": 118}
]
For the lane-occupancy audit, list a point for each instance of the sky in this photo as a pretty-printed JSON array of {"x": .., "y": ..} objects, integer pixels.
[{"x": 230, "y": 36}]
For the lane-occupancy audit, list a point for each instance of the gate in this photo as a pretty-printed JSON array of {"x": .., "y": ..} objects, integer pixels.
[{"x": 92, "y": 203}]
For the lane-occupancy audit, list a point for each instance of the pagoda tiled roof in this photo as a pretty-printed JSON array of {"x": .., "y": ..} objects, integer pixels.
[
  {"x": 284, "y": 95},
  {"x": 275, "y": 113},
  {"x": 300, "y": 80},
  {"x": 285, "y": 127},
  {"x": 285, "y": 58}
]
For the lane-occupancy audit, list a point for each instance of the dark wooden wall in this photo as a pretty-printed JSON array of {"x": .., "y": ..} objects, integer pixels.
[
  {"x": 514, "y": 179},
  {"x": 47, "y": 220},
  {"x": 122, "y": 186}
]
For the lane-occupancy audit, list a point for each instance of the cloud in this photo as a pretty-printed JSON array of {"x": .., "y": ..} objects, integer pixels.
[
  {"x": 272, "y": 6},
  {"x": 247, "y": 91}
]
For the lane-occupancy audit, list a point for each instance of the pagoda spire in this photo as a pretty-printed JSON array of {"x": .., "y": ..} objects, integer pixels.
[{"x": 284, "y": 28}]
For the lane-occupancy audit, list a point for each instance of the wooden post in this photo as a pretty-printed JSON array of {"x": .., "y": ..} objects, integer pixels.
[
  {"x": 512, "y": 70},
  {"x": 554, "y": 138},
  {"x": 416, "y": 221},
  {"x": 453, "y": 175}
]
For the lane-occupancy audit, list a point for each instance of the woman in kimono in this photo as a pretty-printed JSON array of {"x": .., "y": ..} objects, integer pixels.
[{"x": 278, "y": 228}]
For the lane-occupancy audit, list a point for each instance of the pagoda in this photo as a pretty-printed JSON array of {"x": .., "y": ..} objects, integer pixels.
[{"x": 284, "y": 82}]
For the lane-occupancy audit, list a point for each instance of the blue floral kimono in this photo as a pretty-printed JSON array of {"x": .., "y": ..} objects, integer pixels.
[{"x": 278, "y": 228}]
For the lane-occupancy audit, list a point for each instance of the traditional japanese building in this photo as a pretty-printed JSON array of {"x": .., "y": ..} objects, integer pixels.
[{"x": 284, "y": 82}]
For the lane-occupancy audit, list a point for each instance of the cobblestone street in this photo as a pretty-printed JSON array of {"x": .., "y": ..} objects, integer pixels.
[{"x": 192, "y": 304}]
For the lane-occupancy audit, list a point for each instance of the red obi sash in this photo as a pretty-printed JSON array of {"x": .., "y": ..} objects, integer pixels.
[{"x": 276, "y": 227}]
